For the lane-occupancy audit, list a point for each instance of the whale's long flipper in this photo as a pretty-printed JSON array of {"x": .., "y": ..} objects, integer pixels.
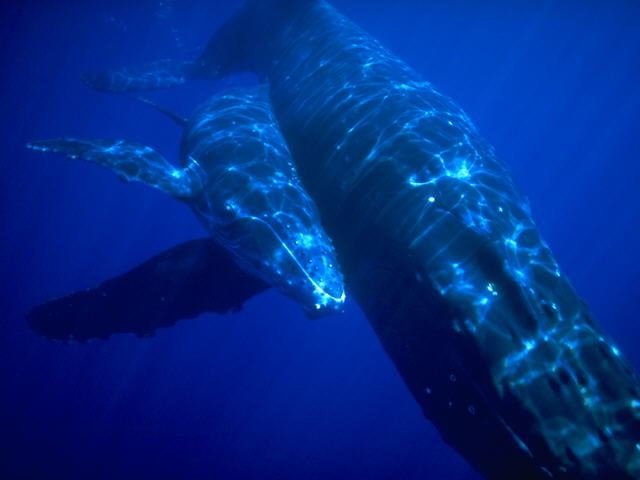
[
  {"x": 192, "y": 278},
  {"x": 181, "y": 121},
  {"x": 131, "y": 162},
  {"x": 150, "y": 76}
]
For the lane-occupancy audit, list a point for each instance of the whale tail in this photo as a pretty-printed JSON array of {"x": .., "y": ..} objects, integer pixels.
[{"x": 131, "y": 162}]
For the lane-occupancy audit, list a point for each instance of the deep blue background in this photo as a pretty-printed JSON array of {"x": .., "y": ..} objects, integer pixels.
[{"x": 553, "y": 85}]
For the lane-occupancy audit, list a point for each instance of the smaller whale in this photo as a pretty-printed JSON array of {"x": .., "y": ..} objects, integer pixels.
[{"x": 238, "y": 177}]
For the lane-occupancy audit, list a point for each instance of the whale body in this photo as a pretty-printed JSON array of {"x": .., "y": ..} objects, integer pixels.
[
  {"x": 238, "y": 177},
  {"x": 437, "y": 245},
  {"x": 466, "y": 297}
]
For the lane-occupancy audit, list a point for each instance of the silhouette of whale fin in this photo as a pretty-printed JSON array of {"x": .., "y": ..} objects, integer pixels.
[
  {"x": 131, "y": 162},
  {"x": 183, "y": 282},
  {"x": 181, "y": 121},
  {"x": 139, "y": 78}
]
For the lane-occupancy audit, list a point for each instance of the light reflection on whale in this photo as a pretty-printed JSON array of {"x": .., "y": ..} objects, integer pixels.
[
  {"x": 238, "y": 177},
  {"x": 437, "y": 246}
]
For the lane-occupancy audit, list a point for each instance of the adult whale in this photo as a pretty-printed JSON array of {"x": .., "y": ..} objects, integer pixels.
[{"x": 467, "y": 299}]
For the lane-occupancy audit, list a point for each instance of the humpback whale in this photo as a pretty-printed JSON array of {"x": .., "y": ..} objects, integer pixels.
[
  {"x": 238, "y": 177},
  {"x": 437, "y": 246}
]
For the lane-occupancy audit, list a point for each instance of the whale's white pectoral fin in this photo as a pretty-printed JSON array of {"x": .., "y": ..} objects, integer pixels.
[{"x": 131, "y": 162}]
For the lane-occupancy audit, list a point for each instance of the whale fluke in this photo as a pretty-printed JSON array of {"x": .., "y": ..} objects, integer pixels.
[{"x": 183, "y": 282}]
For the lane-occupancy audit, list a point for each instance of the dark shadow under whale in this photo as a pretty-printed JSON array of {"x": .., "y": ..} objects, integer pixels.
[{"x": 182, "y": 282}]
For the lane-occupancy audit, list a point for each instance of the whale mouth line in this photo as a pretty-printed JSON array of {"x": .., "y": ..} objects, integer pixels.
[{"x": 324, "y": 298}]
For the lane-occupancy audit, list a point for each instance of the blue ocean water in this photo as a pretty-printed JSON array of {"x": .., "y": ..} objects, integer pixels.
[{"x": 266, "y": 393}]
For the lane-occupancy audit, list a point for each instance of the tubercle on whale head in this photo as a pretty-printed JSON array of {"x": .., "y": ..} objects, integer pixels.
[
  {"x": 325, "y": 305},
  {"x": 314, "y": 277},
  {"x": 241, "y": 44}
]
